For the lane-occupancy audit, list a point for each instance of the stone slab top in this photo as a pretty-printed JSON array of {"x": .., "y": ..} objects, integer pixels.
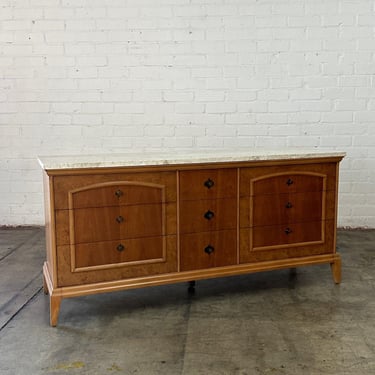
[{"x": 176, "y": 157}]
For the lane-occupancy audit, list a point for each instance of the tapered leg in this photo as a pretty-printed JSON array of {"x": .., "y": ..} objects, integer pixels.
[
  {"x": 54, "y": 309},
  {"x": 45, "y": 287},
  {"x": 336, "y": 270}
]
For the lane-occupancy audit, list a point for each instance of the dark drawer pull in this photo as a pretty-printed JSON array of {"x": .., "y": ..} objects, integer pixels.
[
  {"x": 288, "y": 205},
  {"x": 119, "y": 193},
  {"x": 209, "y": 215},
  {"x": 120, "y": 247},
  {"x": 119, "y": 219},
  {"x": 209, "y": 249},
  {"x": 209, "y": 183},
  {"x": 288, "y": 231},
  {"x": 289, "y": 182}
]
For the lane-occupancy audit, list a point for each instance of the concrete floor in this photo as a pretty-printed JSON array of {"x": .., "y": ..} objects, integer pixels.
[{"x": 267, "y": 323}]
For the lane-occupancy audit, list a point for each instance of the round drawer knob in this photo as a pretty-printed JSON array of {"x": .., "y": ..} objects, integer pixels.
[
  {"x": 120, "y": 247},
  {"x": 288, "y": 205},
  {"x": 287, "y": 231},
  {"x": 209, "y": 183},
  {"x": 119, "y": 193},
  {"x": 119, "y": 219},
  {"x": 289, "y": 182},
  {"x": 209, "y": 215},
  {"x": 209, "y": 249}
]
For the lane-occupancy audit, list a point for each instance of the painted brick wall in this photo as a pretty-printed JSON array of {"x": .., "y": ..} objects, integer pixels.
[{"x": 86, "y": 76}]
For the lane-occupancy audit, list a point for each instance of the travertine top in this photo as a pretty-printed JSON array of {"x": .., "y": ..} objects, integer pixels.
[{"x": 176, "y": 157}]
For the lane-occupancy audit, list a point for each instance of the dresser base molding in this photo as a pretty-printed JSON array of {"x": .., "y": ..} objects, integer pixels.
[{"x": 57, "y": 294}]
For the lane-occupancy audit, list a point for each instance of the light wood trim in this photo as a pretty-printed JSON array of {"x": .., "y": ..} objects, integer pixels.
[
  {"x": 334, "y": 250},
  {"x": 140, "y": 282},
  {"x": 49, "y": 207}
]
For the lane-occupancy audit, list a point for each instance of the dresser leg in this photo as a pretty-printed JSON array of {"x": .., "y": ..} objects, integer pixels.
[
  {"x": 54, "y": 309},
  {"x": 191, "y": 288},
  {"x": 336, "y": 270},
  {"x": 45, "y": 287}
]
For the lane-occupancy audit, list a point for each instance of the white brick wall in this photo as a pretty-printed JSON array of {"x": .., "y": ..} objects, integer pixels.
[{"x": 78, "y": 76}]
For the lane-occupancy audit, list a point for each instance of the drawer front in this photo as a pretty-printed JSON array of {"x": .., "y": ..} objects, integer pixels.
[
  {"x": 287, "y": 179},
  {"x": 100, "y": 264},
  {"x": 107, "y": 223},
  {"x": 208, "y": 184},
  {"x": 277, "y": 209},
  {"x": 119, "y": 252},
  {"x": 207, "y": 250},
  {"x": 276, "y": 235},
  {"x": 112, "y": 223},
  {"x": 208, "y": 215},
  {"x": 272, "y": 243},
  {"x": 287, "y": 183},
  {"x": 116, "y": 194},
  {"x": 98, "y": 190}
]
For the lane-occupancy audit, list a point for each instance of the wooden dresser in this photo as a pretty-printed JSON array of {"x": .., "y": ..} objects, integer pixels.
[{"x": 116, "y": 222}]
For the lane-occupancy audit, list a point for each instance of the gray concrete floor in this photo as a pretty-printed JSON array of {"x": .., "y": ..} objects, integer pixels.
[{"x": 267, "y": 323}]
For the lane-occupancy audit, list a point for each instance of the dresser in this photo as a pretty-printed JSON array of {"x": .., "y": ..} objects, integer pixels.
[{"x": 115, "y": 222}]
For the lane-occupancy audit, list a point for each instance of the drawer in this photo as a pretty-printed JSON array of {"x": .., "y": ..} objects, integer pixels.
[
  {"x": 207, "y": 250},
  {"x": 277, "y": 209},
  {"x": 287, "y": 183},
  {"x": 278, "y": 235},
  {"x": 208, "y": 215},
  {"x": 208, "y": 184},
  {"x": 251, "y": 249},
  {"x": 116, "y": 194},
  {"x": 99, "y": 189},
  {"x": 287, "y": 179},
  {"x": 124, "y": 265},
  {"x": 112, "y": 223},
  {"x": 122, "y": 251}
]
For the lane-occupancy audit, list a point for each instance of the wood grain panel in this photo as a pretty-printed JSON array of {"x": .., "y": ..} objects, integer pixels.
[
  {"x": 223, "y": 184},
  {"x": 287, "y": 183},
  {"x": 63, "y": 184},
  {"x": 193, "y": 253},
  {"x": 114, "y": 194},
  {"x": 66, "y": 277},
  {"x": 107, "y": 254},
  {"x": 287, "y": 208},
  {"x": 208, "y": 215},
  {"x": 100, "y": 224},
  {"x": 249, "y": 254},
  {"x": 290, "y": 234},
  {"x": 279, "y": 177}
]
